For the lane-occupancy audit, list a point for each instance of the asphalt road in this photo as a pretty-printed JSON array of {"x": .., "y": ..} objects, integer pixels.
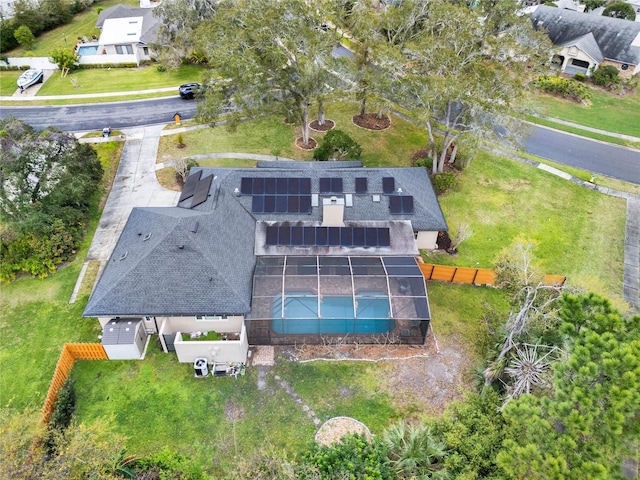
[
  {"x": 78, "y": 118},
  {"x": 597, "y": 157}
]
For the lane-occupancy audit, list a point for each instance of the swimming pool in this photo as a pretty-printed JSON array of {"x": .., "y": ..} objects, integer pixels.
[
  {"x": 336, "y": 315},
  {"x": 87, "y": 50}
]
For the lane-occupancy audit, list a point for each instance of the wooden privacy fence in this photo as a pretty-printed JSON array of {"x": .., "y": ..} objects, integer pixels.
[
  {"x": 70, "y": 353},
  {"x": 474, "y": 276}
]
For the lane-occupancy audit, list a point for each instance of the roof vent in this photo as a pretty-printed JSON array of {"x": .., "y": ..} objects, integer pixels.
[
  {"x": 194, "y": 226},
  {"x": 375, "y": 198},
  {"x": 236, "y": 191},
  {"x": 147, "y": 237},
  {"x": 181, "y": 247},
  {"x": 399, "y": 190},
  {"x": 334, "y": 199}
]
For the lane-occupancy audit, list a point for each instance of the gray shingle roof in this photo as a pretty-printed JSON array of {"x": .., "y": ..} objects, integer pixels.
[
  {"x": 587, "y": 43},
  {"x": 150, "y": 23},
  {"x": 178, "y": 272},
  {"x": 160, "y": 267},
  {"x": 613, "y": 36}
]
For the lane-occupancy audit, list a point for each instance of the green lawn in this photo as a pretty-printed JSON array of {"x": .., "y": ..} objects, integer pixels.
[
  {"x": 270, "y": 136},
  {"x": 8, "y": 80},
  {"x": 98, "y": 80},
  {"x": 578, "y": 232},
  {"x": 607, "y": 111},
  {"x": 66, "y": 36}
]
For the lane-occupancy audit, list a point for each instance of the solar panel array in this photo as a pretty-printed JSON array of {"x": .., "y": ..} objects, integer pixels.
[
  {"x": 190, "y": 186},
  {"x": 287, "y": 236},
  {"x": 278, "y": 195},
  {"x": 331, "y": 185},
  {"x": 202, "y": 191},
  {"x": 275, "y": 186},
  {"x": 399, "y": 204}
]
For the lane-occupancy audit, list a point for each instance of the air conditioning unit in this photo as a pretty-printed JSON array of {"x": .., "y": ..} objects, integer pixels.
[{"x": 200, "y": 367}]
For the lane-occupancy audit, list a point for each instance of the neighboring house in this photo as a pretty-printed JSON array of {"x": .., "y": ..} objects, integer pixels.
[
  {"x": 126, "y": 30},
  {"x": 587, "y": 41},
  {"x": 284, "y": 253}
]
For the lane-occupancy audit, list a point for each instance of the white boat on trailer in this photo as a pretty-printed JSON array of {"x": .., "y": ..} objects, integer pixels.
[{"x": 30, "y": 77}]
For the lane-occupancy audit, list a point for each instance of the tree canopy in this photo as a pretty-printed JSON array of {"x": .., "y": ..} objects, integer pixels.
[{"x": 47, "y": 181}]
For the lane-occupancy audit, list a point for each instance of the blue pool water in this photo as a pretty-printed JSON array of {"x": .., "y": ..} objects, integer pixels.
[
  {"x": 88, "y": 50},
  {"x": 336, "y": 315}
]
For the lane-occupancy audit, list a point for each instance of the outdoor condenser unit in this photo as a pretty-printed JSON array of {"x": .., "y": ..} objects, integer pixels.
[{"x": 200, "y": 367}]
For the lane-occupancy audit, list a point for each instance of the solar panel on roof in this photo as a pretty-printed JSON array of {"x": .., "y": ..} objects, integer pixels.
[
  {"x": 309, "y": 234},
  {"x": 371, "y": 237},
  {"x": 296, "y": 236},
  {"x": 388, "y": 185},
  {"x": 334, "y": 236},
  {"x": 258, "y": 186},
  {"x": 246, "y": 185},
  {"x": 282, "y": 204},
  {"x": 190, "y": 185},
  {"x": 284, "y": 235},
  {"x": 358, "y": 236},
  {"x": 384, "y": 238},
  {"x": 325, "y": 185},
  {"x": 305, "y": 186},
  {"x": 282, "y": 186},
  {"x": 395, "y": 204},
  {"x": 269, "y": 203},
  {"x": 361, "y": 185},
  {"x": 305, "y": 203},
  {"x": 322, "y": 236},
  {"x": 257, "y": 204},
  {"x": 293, "y": 185},
  {"x": 336, "y": 185},
  {"x": 272, "y": 236},
  {"x": 202, "y": 191},
  {"x": 407, "y": 204},
  {"x": 293, "y": 203},
  {"x": 270, "y": 186},
  {"x": 346, "y": 237}
]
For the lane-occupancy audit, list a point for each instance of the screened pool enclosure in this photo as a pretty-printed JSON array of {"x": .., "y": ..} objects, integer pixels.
[{"x": 372, "y": 299}]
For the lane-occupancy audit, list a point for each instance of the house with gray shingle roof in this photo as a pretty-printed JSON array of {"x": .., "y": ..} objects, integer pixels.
[
  {"x": 288, "y": 252},
  {"x": 126, "y": 30},
  {"x": 587, "y": 41}
]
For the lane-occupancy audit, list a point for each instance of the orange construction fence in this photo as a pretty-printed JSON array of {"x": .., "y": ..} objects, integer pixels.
[
  {"x": 474, "y": 276},
  {"x": 70, "y": 353}
]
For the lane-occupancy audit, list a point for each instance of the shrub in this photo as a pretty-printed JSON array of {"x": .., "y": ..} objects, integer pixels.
[
  {"x": 337, "y": 144},
  {"x": 65, "y": 406},
  {"x": 564, "y": 87},
  {"x": 443, "y": 182},
  {"x": 606, "y": 76},
  {"x": 161, "y": 68},
  {"x": 420, "y": 158},
  {"x": 581, "y": 77},
  {"x": 620, "y": 10}
]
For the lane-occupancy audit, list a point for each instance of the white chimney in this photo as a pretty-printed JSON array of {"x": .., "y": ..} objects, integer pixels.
[{"x": 333, "y": 212}]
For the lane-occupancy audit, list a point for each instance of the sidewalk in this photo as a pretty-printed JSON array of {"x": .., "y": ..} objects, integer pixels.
[{"x": 622, "y": 136}]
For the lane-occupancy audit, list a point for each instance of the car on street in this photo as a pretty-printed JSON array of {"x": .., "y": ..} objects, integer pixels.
[{"x": 189, "y": 90}]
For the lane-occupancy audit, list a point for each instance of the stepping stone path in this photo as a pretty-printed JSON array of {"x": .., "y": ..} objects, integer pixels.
[{"x": 296, "y": 398}]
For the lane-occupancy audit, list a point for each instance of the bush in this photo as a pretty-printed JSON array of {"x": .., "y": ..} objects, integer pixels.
[
  {"x": 564, "y": 87},
  {"x": 581, "y": 77},
  {"x": 606, "y": 76},
  {"x": 620, "y": 10},
  {"x": 420, "y": 158},
  {"x": 443, "y": 182},
  {"x": 337, "y": 144},
  {"x": 65, "y": 406}
]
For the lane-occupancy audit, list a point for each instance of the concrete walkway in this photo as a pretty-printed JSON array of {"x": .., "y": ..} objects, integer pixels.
[
  {"x": 135, "y": 185},
  {"x": 588, "y": 129}
]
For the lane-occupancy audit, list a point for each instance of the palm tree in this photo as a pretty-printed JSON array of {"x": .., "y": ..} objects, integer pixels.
[{"x": 415, "y": 453}]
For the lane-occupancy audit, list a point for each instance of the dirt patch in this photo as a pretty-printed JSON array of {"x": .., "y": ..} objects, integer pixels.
[
  {"x": 370, "y": 121},
  {"x": 325, "y": 127},
  {"x": 312, "y": 144},
  {"x": 420, "y": 379},
  {"x": 335, "y": 428}
]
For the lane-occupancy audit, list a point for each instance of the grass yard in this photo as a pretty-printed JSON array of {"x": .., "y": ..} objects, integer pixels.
[
  {"x": 8, "y": 79},
  {"x": 66, "y": 36},
  {"x": 607, "y": 111},
  {"x": 269, "y": 136},
  {"x": 98, "y": 80},
  {"x": 578, "y": 232}
]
